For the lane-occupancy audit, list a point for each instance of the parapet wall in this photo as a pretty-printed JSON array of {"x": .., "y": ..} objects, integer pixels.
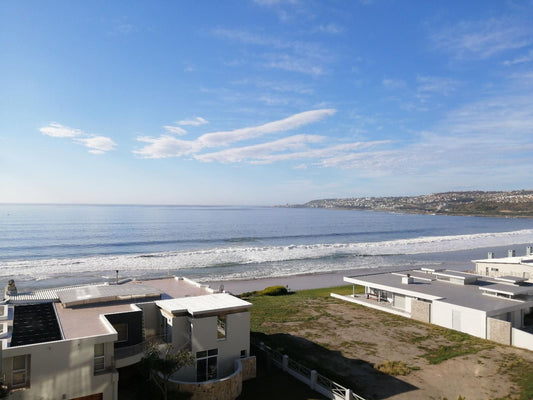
[
  {"x": 421, "y": 311},
  {"x": 499, "y": 331},
  {"x": 228, "y": 388}
]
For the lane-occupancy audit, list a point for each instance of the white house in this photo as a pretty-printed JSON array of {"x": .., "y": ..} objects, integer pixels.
[
  {"x": 512, "y": 265},
  {"x": 499, "y": 309},
  {"x": 73, "y": 343}
]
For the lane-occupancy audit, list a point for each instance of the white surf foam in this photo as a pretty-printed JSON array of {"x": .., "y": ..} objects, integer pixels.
[{"x": 249, "y": 256}]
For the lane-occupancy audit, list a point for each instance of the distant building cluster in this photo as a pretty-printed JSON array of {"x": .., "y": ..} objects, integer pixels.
[
  {"x": 495, "y": 303},
  {"x": 475, "y": 201}
]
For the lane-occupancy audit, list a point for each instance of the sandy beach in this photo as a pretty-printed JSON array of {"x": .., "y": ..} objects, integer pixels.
[{"x": 294, "y": 282}]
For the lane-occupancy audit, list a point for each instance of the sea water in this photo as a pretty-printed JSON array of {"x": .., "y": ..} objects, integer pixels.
[{"x": 47, "y": 245}]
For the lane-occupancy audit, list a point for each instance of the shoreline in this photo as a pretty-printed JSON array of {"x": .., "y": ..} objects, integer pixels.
[{"x": 305, "y": 281}]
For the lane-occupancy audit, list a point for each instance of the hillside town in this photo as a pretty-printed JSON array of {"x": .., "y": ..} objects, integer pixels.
[{"x": 518, "y": 203}]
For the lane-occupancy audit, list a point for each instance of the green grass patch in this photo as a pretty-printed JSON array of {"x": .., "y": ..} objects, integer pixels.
[
  {"x": 394, "y": 368},
  {"x": 521, "y": 373},
  {"x": 304, "y": 306}
]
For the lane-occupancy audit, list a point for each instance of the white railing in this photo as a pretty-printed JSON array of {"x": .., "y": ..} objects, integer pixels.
[{"x": 319, "y": 383}]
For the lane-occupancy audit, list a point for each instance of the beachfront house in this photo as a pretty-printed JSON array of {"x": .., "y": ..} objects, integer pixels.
[
  {"x": 498, "y": 309},
  {"x": 512, "y": 265},
  {"x": 81, "y": 343}
]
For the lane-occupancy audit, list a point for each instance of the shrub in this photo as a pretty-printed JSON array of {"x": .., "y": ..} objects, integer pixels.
[
  {"x": 274, "y": 291},
  {"x": 393, "y": 368}
]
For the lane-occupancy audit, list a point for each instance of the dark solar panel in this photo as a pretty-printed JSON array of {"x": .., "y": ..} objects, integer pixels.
[{"x": 36, "y": 323}]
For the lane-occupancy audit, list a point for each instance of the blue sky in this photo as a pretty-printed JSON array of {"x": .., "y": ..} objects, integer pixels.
[{"x": 262, "y": 102}]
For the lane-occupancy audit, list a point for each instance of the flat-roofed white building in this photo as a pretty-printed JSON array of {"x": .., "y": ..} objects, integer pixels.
[
  {"x": 72, "y": 343},
  {"x": 512, "y": 265},
  {"x": 499, "y": 309}
]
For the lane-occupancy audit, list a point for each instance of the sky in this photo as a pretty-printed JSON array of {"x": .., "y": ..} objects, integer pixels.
[{"x": 262, "y": 102}]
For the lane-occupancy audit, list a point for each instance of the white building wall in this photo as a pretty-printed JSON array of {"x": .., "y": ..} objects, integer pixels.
[
  {"x": 521, "y": 339},
  {"x": 63, "y": 369},
  {"x": 496, "y": 269},
  {"x": 204, "y": 337},
  {"x": 152, "y": 319},
  {"x": 467, "y": 320}
]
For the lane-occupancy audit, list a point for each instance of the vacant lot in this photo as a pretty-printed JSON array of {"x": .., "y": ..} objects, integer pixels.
[{"x": 382, "y": 356}]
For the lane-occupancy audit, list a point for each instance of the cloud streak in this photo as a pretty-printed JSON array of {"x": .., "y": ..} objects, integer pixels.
[
  {"x": 96, "y": 144},
  {"x": 484, "y": 39},
  {"x": 168, "y": 146}
]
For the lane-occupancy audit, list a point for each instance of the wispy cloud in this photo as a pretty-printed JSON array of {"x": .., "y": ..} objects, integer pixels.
[
  {"x": 393, "y": 83},
  {"x": 289, "y": 55},
  {"x": 436, "y": 85},
  {"x": 528, "y": 57},
  {"x": 483, "y": 39},
  {"x": 57, "y": 130},
  {"x": 331, "y": 28},
  {"x": 175, "y": 129},
  {"x": 165, "y": 146},
  {"x": 223, "y": 138},
  {"x": 194, "y": 122},
  {"x": 260, "y": 151},
  {"x": 169, "y": 146},
  {"x": 97, "y": 144},
  {"x": 489, "y": 135}
]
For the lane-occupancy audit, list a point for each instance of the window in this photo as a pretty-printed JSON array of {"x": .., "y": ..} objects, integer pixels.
[
  {"x": 206, "y": 365},
  {"x": 20, "y": 371},
  {"x": 122, "y": 330},
  {"x": 221, "y": 327},
  {"x": 99, "y": 357},
  {"x": 243, "y": 353}
]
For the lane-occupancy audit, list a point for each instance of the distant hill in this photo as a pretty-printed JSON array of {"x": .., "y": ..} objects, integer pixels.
[{"x": 516, "y": 203}]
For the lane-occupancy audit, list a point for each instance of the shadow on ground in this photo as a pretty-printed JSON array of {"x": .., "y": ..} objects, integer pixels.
[{"x": 356, "y": 374}]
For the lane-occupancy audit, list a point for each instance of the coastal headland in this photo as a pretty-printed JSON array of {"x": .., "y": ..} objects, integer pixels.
[{"x": 516, "y": 203}]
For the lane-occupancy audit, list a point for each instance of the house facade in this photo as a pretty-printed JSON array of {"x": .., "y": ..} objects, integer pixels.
[
  {"x": 73, "y": 343},
  {"x": 498, "y": 309},
  {"x": 512, "y": 265}
]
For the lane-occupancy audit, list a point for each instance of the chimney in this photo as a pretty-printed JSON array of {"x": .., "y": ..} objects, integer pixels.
[
  {"x": 510, "y": 253},
  {"x": 529, "y": 251},
  {"x": 490, "y": 255},
  {"x": 406, "y": 280}
]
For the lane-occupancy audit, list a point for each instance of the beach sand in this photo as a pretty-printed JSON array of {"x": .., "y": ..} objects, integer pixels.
[{"x": 294, "y": 282}]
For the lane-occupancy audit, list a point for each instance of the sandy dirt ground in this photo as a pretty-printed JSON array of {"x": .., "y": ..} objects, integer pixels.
[{"x": 351, "y": 339}]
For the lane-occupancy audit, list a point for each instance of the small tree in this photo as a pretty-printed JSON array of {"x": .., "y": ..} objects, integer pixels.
[{"x": 159, "y": 364}]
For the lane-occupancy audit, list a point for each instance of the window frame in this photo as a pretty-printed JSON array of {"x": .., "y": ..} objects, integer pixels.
[
  {"x": 209, "y": 359},
  {"x": 222, "y": 327},
  {"x": 99, "y": 359},
  {"x": 25, "y": 372}
]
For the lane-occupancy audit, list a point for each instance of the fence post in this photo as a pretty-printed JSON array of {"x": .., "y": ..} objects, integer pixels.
[
  {"x": 348, "y": 395},
  {"x": 285, "y": 362},
  {"x": 314, "y": 376}
]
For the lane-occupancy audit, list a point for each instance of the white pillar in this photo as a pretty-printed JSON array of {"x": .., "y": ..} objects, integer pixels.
[
  {"x": 348, "y": 395},
  {"x": 314, "y": 376},
  {"x": 285, "y": 362}
]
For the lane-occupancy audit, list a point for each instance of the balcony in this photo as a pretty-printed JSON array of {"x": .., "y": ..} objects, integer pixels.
[{"x": 125, "y": 356}]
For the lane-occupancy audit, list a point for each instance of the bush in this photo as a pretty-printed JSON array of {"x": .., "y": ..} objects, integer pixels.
[
  {"x": 274, "y": 291},
  {"x": 393, "y": 368}
]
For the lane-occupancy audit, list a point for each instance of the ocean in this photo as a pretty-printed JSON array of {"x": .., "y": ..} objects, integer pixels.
[{"x": 51, "y": 245}]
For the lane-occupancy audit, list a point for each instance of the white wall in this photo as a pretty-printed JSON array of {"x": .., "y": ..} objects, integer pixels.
[
  {"x": 204, "y": 337},
  {"x": 152, "y": 319},
  {"x": 63, "y": 368},
  {"x": 521, "y": 339},
  {"x": 519, "y": 270},
  {"x": 471, "y": 321}
]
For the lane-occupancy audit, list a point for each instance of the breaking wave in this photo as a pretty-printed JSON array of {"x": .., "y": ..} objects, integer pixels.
[{"x": 237, "y": 261}]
